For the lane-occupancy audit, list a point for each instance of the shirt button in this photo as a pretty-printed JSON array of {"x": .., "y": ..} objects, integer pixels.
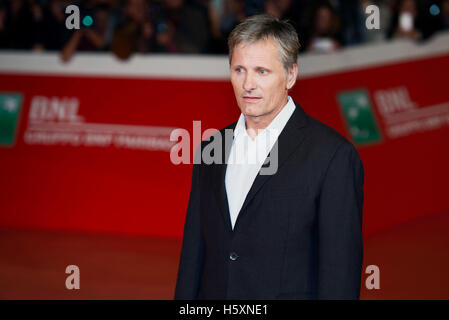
[{"x": 233, "y": 256}]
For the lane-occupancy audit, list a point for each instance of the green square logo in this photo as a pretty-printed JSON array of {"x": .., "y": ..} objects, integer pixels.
[
  {"x": 10, "y": 104},
  {"x": 356, "y": 108}
]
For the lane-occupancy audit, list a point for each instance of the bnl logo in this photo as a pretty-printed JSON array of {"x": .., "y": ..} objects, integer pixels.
[{"x": 73, "y": 20}]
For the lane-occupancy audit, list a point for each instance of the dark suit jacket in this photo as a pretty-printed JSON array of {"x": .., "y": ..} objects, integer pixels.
[{"x": 298, "y": 234}]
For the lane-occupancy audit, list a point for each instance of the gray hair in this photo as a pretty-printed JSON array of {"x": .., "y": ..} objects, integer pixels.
[{"x": 263, "y": 27}]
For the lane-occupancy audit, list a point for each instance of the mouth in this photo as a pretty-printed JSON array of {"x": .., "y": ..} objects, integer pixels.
[{"x": 251, "y": 99}]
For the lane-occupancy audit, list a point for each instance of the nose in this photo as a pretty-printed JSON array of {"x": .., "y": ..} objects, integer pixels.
[{"x": 249, "y": 83}]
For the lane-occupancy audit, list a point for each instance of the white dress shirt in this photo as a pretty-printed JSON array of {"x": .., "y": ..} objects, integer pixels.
[{"x": 247, "y": 156}]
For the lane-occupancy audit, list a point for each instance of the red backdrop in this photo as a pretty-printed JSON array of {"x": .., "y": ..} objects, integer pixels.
[{"x": 137, "y": 190}]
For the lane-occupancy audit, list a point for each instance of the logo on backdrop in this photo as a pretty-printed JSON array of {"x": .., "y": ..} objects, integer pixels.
[
  {"x": 358, "y": 113},
  {"x": 400, "y": 115},
  {"x": 56, "y": 121},
  {"x": 10, "y": 105}
]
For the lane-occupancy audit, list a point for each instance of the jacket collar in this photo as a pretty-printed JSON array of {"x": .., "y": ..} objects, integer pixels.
[{"x": 288, "y": 141}]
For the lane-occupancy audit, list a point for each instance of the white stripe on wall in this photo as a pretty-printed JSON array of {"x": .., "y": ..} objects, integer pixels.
[{"x": 215, "y": 67}]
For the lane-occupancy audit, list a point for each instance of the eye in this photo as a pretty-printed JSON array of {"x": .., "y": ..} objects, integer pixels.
[
  {"x": 263, "y": 71},
  {"x": 238, "y": 69}
]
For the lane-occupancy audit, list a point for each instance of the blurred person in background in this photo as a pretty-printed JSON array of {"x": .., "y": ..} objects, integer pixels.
[
  {"x": 353, "y": 21},
  {"x": 215, "y": 11},
  {"x": 278, "y": 8},
  {"x": 253, "y": 7},
  {"x": 135, "y": 32},
  {"x": 182, "y": 28},
  {"x": 91, "y": 38},
  {"x": 16, "y": 25},
  {"x": 353, "y": 15},
  {"x": 325, "y": 34},
  {"x": 3, "y": 39},
  {"x": 385, "y": 9},
  {"x": 49, "y": 17},
  {"x": 444, "y": 15},
  {"x": 234, "y": 13},
  {"x": 202, "y": 26},
  {"x": 290, "y": 10},
  {"x": 405, "y": 21}
]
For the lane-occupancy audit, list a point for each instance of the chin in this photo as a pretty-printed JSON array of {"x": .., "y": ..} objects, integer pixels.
[{"x": 251, "y": 111}]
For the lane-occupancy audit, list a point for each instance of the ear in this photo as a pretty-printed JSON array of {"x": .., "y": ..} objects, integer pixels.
[{"x": 292, "y": 76}]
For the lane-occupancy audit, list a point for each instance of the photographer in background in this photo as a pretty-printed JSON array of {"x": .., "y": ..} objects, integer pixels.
[
  {"x": 405, "y": 21},
  {"x": 16, "y": 25},
  {"x": 182, "y": 27},
  {"x": 135, "y": 33},
  {"x": 326, "y": 26},
  {"x": 94, "y": 37}
]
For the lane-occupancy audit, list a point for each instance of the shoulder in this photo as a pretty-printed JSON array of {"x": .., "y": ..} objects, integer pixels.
[
  {"x": 321, "y": 133},
  {"x": 328, "y": 148},
  {"x": 326, "y": 141}
]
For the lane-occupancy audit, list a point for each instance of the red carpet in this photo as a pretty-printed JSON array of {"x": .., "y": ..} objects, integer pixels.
[{"x": 412, "y": 258}]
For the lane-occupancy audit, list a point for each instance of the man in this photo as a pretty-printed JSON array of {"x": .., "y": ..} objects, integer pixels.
[{"x": 293, "y": 234}]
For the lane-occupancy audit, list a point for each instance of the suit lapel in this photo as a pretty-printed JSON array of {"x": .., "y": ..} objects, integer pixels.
[
  {"x": 220, "y": 193},
  {"x": 288, "y": 141},
  {"x": 219, "y": 177}
]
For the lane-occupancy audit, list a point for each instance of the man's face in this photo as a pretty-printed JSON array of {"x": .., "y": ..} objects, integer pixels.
[{"x": 259, "y": 80}]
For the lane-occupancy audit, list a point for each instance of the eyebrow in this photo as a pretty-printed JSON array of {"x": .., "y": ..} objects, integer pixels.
[{"x": 256, "y": 67}]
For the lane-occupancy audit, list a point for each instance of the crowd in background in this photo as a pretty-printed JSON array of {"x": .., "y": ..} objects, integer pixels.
[{"x": 202, "y": 26}]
